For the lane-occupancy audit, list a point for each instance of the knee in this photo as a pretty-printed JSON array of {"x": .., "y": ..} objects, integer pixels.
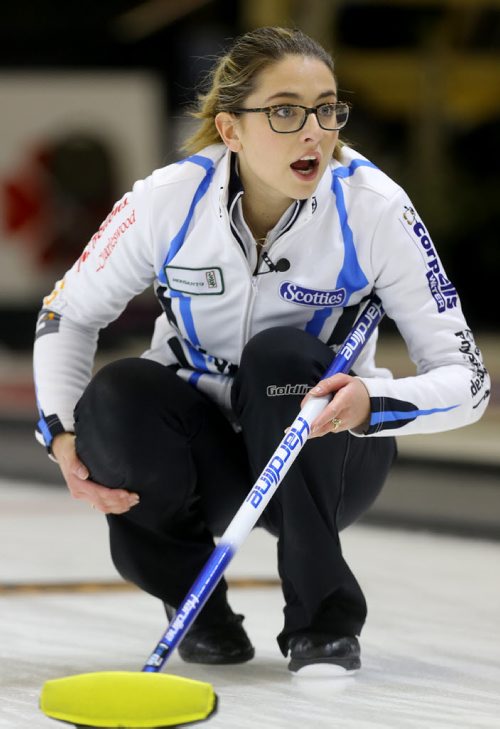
[
  {"x": 282, "y": 355},
  {"x": 277, "y": 358},
  {"x": 115, "y": 411},
  {"x": 119, "y": 388}
]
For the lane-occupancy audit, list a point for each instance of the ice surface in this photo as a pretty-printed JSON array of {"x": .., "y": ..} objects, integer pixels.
[{"x": 429, "y": 649}]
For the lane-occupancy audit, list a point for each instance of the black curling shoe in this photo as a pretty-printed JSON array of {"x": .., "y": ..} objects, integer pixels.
[
  {"x": 317, "y": 654},
  {"x": 219, "y": 643}
]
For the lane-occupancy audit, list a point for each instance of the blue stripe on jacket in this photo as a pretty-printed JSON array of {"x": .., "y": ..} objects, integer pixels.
[
  {"x": 351, "y": 277},
  {"x": 199, "y": 361},
  {"x": 390, "y": 416}
]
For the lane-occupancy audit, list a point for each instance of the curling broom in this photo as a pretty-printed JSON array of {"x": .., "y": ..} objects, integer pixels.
[{"x": 148, "y": 698}]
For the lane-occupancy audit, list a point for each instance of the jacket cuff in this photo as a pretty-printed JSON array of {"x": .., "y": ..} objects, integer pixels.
[
  {"x": 388, "y": 413},
  {"x": 47, "y": 427}
]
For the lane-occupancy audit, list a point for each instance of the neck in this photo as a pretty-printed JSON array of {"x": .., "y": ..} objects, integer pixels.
[
  {"x": 262, "y": 207},
  {"x": 260, "y": 215}
]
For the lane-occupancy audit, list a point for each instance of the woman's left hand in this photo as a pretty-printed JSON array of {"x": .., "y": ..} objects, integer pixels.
[{"x": 349, "y": 409}]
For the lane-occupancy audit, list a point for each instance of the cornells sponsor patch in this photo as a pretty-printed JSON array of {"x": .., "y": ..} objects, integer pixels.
[
  {"x": 442, "y": 290},
  {"x": 296, "y": 294}
]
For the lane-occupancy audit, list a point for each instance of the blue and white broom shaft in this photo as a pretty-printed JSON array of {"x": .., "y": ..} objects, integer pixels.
[{"x": 262, "y": 491}]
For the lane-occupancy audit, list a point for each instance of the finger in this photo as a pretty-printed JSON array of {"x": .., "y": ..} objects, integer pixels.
[
  {"x": 112, "y": 503},
  {"x": 325, "y": 429},
  {"x": 100, "y": 492},
  {"x": 325, "y": 417},
  {"x": 318, "y": 433},
  {"x": 105, "y": 493},
  {"x": 102, "y": 497},
  {"x": 335, "y": 425},
  {"x": 78, "y": 469},
  {"x": 114, "y": 506},
  {"x": 337, "y": 408},
  {"x": 329, "y": 421},
  {"x": 331, "y": 384}
]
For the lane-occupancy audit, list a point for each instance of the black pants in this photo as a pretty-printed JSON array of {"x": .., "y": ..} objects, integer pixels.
[{"x": 140, "y": 427}]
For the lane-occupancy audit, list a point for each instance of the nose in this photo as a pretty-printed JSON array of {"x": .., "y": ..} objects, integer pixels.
[{"x": 311, "y": 129}]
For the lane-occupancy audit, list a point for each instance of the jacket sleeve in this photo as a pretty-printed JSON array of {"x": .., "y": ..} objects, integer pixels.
[
  {"x": 451, "y": 387},
  {"x": 115, "y": 265}
]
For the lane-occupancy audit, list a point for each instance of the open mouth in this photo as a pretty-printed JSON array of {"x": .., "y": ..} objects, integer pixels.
[{"x": 306, "y": 167}]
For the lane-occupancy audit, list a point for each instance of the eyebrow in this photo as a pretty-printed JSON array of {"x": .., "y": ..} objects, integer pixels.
[{"x": 292, "y": 95}]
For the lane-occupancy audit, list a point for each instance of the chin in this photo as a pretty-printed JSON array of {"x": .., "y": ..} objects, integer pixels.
[{"x": 304, "y": 190}]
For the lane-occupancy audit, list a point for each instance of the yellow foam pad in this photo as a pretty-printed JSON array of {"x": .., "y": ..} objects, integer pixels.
[{"x": 127, "y": 699}]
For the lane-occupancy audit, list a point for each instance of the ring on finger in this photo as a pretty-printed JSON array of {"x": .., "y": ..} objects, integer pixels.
[{"x": 336, "y": 423}]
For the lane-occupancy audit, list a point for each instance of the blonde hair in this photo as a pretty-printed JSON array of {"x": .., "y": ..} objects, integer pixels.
[{"x": 234, "y": 77}]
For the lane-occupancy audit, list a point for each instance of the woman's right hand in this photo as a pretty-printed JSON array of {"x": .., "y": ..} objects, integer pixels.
[{"x": 76, "y": 475}]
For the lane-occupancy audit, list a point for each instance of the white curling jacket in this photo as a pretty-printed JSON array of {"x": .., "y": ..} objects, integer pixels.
[{"x": 359, "y": 232}]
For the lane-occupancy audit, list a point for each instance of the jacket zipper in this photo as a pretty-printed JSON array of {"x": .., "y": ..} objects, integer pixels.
[
  {"x": 253, "y": 279},
  {"x": 249, "y": 311},
  {"x": 245, "y": 326}
]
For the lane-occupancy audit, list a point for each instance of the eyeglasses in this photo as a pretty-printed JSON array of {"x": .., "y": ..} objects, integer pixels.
[{"x": 289, "y": 118}]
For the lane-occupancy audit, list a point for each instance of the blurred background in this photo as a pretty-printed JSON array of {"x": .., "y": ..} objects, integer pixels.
[{"x": 94, "y": 96}]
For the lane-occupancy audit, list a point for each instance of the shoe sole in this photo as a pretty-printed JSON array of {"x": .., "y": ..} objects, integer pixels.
[{"x": 317, "y": 668}]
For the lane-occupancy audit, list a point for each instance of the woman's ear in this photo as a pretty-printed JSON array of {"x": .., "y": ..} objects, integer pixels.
[{"x": 227, "y": 126}]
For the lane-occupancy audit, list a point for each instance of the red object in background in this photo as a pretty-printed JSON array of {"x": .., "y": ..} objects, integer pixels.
[
  {"x": 22, "y": 204},
  {"x": 58, "y": 198}
]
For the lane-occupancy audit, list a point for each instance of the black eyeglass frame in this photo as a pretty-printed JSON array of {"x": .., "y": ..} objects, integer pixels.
[{"x": 268, "y": 110}]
